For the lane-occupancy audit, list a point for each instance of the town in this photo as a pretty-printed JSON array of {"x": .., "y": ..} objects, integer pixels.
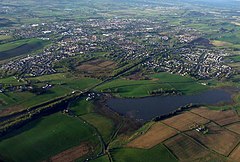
[{"x": 167, "y": 47}]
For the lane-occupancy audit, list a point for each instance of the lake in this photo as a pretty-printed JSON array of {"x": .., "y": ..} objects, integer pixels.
[{"x": 150, "y": 107}]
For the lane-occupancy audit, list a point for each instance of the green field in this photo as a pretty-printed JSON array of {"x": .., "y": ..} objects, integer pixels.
[
  {"x": 61, "y": 86},
  {"x": 5, "y": 37},
  {"x": 85, "y": 110},
  {"x": 82, "y": 107},
  {"x": 46, "y": 137},
  {"x": 20, "y": 47},
  {"x": 232, "y": 38},
  {"x": 104, "y": 125},
  {"x": 101, "y": 159},
  {"x": 236, "y": 58},
  {"x": 141, "y": 88},
  {"x": 156, "y": 154},
  {"x": 66, "y": 80},
  {"x": 54, "y": 78},
  {"x": 12, "y": 81}
]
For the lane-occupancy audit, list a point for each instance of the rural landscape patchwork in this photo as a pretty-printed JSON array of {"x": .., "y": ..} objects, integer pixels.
[{"x": 120, "y": 80}]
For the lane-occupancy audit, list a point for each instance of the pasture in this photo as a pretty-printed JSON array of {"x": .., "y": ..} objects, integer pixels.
[
  {"x": 82, "y": 107},
  {"x": 218, "y": 43},
  {"x": 20, "y": 47},
  {"x": 86, "y": 111},
  {"x": 101, "y": 159},
  {"x": 11, "y": 81},
  {"x": 158, "y": 153},
  {"x": 5, "y": 37},
  {"x": 46, "y": 137},
  {"x": 142, "y": 88},
  {"x": 62, "y": 84},
  {"x": 236, "y": 58},
  {"x": 104, "y": 125}
]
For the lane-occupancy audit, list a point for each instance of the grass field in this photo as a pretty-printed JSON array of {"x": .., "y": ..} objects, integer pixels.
[
  {"x": 85, "y": 110},
  {"x": 104, "y": 125},
  {"x": 11, "y": 81},
  {"x": 61, "y": 86},
  {"x": 236, "y": 58},
  {"x": 67, "y": 80},
  {"x": 14, "y": 99},
  {"x": 142, "y": 88},
  {"x": 218, "y": 43},
  {"x": 232, "y": 38},
  {"x": 82, "y": 107},
  {"x": 101, "y": 159},
  {"x": 54, "y": 78},
  {"x": 5, "y": 37},
  {"x": 46, "y": 137},
  {"x": 158, "y": 153},
  {"x": 20, "y": 47}
]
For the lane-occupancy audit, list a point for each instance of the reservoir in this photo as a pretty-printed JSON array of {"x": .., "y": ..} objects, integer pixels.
[{"x": 150, "y": 107}]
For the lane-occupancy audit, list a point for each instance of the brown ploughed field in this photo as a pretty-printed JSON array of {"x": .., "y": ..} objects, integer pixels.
[
  {"x": 235, "y": 155},
  {"x": 220, "y": 117},
  {"x": 185, "y": 121},
  {"x": 235, "y": 127},
  {"x": 218, "y": 139},
  {"x": 155, "y": 135},
  {"x": 72, "y": 154},
  {"x": 185, "y": 148}
]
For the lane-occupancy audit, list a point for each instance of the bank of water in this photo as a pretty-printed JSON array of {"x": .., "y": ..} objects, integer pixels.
[{"x": 150, "y": 107}]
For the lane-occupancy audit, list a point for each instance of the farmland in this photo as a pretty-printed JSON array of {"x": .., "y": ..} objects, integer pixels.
[
  {"x": 62, "y": 85},
  {"x": 21, "y": 47},
  {"x": 234, "y": 127},
  {"x": 185, "y": 142},
  {"x": 104, "y": 125},
  {"x": 5, "y": 37},
  {"x": 222, "y": 118},
  {"x": 236, "y": 58},
  {"x": 235, "y": 154},
  {"x": 214, "y": 139},
  {"x": 66, "y": 66},
  {"x": 63, "y": 132},
  {"x": 142, "y": 88},
  {"x": 97, "y": 68},
  {"x": 142, "y": 155},
  {"x": 86, "y": 111},
  {"x": 220, "y": 43},
  {"x": 185, "y": 121},
  {"x": 152, "y": 138},
  {"x": 184, "y": 148}
]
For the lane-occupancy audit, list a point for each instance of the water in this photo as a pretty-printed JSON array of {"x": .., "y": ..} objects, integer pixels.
[{"x": 150, "y": 107}]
